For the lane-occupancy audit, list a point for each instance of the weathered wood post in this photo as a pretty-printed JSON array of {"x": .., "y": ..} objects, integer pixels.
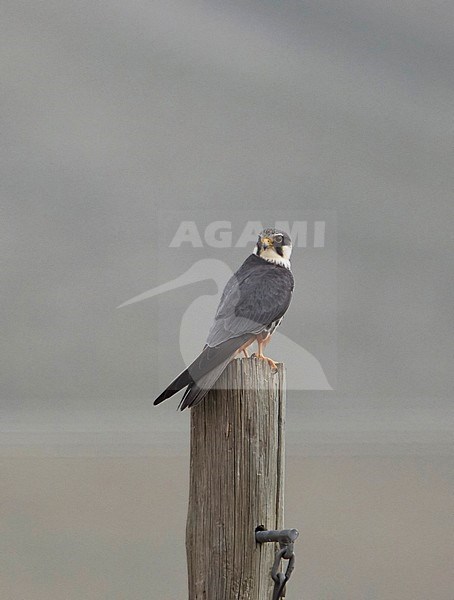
[{"x": 236, "y": 483}]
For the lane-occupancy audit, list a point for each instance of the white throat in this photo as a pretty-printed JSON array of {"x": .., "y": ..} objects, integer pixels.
[{"x": 272, "y": 256}]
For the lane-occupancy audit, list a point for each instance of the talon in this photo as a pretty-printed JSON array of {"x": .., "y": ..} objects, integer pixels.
[
  {"x": 272, "y": 364},
  {"x": 270, "y": 361}
]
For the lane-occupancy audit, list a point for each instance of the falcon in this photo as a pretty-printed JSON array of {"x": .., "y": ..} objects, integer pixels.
[{"x": 252, "y": 305}]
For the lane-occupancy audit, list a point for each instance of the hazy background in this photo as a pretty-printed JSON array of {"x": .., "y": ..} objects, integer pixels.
[{"x": 115, "y": 111}]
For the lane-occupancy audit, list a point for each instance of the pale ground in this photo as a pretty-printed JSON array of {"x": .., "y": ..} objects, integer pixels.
[{"x": 372, "y": 528}]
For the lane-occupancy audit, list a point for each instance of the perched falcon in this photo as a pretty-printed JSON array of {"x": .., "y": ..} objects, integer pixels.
[{"x": 252, "y": 305}]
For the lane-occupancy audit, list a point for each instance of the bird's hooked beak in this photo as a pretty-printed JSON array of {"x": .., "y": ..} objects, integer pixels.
[{"x": 266, "y": 242}]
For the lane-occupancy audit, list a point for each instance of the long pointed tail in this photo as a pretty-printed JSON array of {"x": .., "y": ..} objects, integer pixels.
[
  {"x": 196, "y": 392},
  {"x": 177, "y": 384},
  {"x": 203, "y": 373}
]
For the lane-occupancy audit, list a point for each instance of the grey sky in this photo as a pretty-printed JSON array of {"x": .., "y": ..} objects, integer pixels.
[{"x": 114, "y": 110}]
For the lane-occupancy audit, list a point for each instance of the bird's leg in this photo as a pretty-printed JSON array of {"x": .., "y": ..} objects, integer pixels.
[
  {"x": 260, "y": 355},
  {"x": 243, "y": 349}
]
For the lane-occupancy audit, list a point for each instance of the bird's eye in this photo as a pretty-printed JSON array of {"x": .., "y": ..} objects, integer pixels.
[{"x": 278, "y": 238}]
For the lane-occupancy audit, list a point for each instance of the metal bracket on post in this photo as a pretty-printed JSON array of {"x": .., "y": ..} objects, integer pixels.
[{"x": 286, "y": 539}]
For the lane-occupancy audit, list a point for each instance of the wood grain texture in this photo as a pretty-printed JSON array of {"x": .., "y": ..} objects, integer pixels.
[{"x": 236, "y": 483}]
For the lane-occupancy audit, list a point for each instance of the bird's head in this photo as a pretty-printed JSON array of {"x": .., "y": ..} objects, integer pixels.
[{"x": 274, "y": 246}]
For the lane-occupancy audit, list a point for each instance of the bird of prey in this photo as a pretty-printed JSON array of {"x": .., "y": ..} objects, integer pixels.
[{"x": 252, "y": 305}]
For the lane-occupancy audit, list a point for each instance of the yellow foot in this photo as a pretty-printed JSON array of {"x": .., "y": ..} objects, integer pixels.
[{"x": 270, "y": 361}]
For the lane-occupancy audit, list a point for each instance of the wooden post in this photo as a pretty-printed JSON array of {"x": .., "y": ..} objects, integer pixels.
[{"x": 236, "y": 483}]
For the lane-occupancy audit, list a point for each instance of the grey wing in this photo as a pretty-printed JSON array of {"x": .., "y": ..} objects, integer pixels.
[{"x": 251, "y": 304}]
